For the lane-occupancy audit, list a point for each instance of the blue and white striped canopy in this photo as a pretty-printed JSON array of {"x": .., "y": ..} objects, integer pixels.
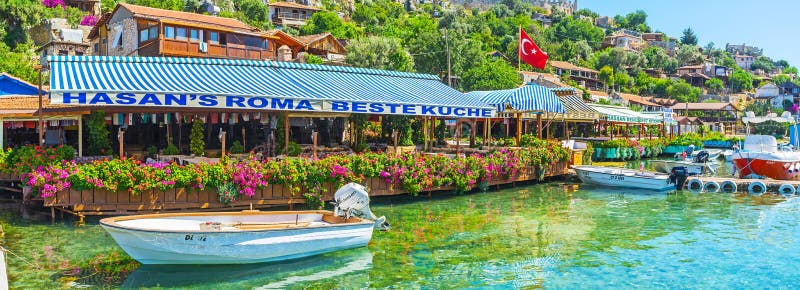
[
  {"x": 247, "y": 78},
  {"x": 528, "y": 98}
]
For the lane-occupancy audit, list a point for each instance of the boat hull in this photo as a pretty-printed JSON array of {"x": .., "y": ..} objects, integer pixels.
[
  {"x": 237, "y": 247},
  {"x": 775, "y": 169},
  {"x": 617, "y": 177}
]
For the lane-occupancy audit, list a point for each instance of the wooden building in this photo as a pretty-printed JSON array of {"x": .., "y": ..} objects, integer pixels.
[
  {"x": 132, "y": 30},
  {"x": 290, "y": 14}
]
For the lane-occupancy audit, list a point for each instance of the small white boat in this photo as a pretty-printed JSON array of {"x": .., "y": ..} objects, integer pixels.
[
  {"x": 692, "y": 168},
  {"x": 621, "y": 177},
  {"x": 728, "y": 155},
  {"x": 713, "y": 154},
  {"x": 247, "y": 236}
]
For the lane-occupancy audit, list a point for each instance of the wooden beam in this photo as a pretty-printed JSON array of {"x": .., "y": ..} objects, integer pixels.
[
  {"x": 519, "y": 129},
  {"x": 539, "y": 124},
  {"x": 286, "y": 132}
]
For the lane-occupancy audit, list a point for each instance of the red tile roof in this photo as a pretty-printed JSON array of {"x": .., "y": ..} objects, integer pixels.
[
  {"x": 569, "y": 66},
  {"x": 186, "y": 16},
  {"x": 293, "y": 5}
]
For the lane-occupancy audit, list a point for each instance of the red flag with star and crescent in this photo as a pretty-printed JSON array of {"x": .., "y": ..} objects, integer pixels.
[{"x": 529, "y": 52}]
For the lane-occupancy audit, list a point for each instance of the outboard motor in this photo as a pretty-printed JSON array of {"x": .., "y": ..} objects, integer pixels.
[
  {"x": 678, "y": 176},
  {"x": 701, "y": 157},
  {"x": 352, "y": 199}
]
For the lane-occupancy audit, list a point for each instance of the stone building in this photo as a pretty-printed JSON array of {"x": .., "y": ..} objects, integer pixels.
[
  {"x": 56, "y": 37},
  {"x": 132, "y": 30}
]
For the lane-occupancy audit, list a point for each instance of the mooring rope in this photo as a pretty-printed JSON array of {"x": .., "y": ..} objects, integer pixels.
[{"x": 3, "y": 249}]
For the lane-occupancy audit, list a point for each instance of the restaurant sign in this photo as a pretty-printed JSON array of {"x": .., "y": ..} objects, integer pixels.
[{"x": 263, "y": 103}]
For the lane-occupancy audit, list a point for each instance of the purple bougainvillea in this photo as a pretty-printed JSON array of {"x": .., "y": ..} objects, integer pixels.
[
  {"x": 88, "y": 20},
  {"x": 53, "y": 3}
]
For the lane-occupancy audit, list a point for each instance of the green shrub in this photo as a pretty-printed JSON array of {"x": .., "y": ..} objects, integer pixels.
[
  {"x": 197, "y": 144},
  {"x": 171, "y": 149},
  {"x": 236, "y": 147},
  {"x": 152, "y": 151},
  {"x": 294, "y": 149}
]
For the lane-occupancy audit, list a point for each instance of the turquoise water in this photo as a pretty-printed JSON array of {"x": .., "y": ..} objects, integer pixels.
[{"x": 551, "y": 235}]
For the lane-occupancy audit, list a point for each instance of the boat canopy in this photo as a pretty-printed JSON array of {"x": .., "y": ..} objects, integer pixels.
[{"x": 257, "y": 85}]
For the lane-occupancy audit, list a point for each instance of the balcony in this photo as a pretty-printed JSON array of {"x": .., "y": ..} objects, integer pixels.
[
  {"x": 192, "y": 49},
  {"x": 291, "y": 19}
]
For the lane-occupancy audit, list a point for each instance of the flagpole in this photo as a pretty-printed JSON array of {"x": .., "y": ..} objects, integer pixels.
[{"x": 519, "y": 57}]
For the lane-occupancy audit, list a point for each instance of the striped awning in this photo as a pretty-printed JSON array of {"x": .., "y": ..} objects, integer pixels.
[
  {"x": 624, "y": 115},
  {"x": 577, "y": 110},
  {"x": 258, "y": 85},
  {"x": 528, "y": 98}
]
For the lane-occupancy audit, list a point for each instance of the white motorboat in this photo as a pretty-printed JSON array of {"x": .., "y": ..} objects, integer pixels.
[
  {"x": 728, "y": 155},
  {"x": 692, "y": 168},
  {"x": 247, "y": 236},
  {"x": 761, "y": 156},
  {"x": 621, "y": 177},
  {"x": 713, "y": 154}
]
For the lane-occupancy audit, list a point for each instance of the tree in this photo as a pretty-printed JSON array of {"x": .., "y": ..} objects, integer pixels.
[
  {"x": 253, "y": 12},
  {"x": 313, "y": 59},
  {"x": 790, "y": 70},
  {"x": 197, "y": 143},
  {"x": 379, "y": 53},
  {"x": 622, "y": 79},
  {"x": 98, "y": 142},
  {"x": 763, "y": 63},
  {"x": 491, "y": 75},
  {"x": 781, "y": 79},
  {"x": 689, "y": 55},
  {"x": 689, "y": 37},
  {"x": 326, "y": 21},
  {"x": 715, "y": 85},
  {"x": 606, "y": 75},
  {"x": 741, "y": 80},
  {"x": 634, "y": 21},
  {"x": 683, "y": 92}
]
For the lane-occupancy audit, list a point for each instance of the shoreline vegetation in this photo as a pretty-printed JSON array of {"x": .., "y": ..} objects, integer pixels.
[{"x": 47, "y": 172}]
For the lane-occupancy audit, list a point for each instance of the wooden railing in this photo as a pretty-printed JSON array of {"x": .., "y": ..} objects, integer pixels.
[{"x": 187, "y": 48}]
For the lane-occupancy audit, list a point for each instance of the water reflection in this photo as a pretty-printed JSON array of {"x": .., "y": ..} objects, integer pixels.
[{"x": 275, "y": 275}]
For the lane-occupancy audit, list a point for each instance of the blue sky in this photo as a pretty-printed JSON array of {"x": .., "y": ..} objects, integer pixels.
[{"x": 768, "y": 24}]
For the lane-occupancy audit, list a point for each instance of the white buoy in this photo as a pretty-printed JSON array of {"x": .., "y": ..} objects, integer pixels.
[
  {"x": 757, "y": 188},
  {"x": 695, "y": 185},
  {"x": 787, "y": 190},
  {"x": 711, "y": 186},
  {"x": 729, "y": 186}
]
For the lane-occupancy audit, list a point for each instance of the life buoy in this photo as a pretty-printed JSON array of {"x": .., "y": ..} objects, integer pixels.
[
  {"x": 787, "y": 190},
  {"x": 757, "y": 188},
  {"x": 711, "y": 186},
  {"x": 728, "y": 186},
  {"x": 695, "y": 185}
]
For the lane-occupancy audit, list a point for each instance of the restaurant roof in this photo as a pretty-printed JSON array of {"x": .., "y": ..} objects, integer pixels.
[
  {"x": 704, "y": 106},
  {"x": 254, "y": 84},
  {"x": 636, "y": 99},
  {"x": 527, "y": 98}
]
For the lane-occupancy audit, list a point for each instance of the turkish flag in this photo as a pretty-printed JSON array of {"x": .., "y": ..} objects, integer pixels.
[{"x": 529, "y": 52}]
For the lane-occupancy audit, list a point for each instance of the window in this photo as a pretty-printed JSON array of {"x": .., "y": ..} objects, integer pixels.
[
  {"x": 169, "y": 32},
  {"x": 153, "y": 31},
  {"x": 213, "y": 37},
  {"x": 63, "y": 52},
  {"x": 78, "y": 53},
  {"x": 180, "y": 33},
  {"x": 193, "y": 35},
  {"x": 143, "y": 36}
]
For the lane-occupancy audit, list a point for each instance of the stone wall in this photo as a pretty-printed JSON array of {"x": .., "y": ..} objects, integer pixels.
[{"x": 130, "y": 41}]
